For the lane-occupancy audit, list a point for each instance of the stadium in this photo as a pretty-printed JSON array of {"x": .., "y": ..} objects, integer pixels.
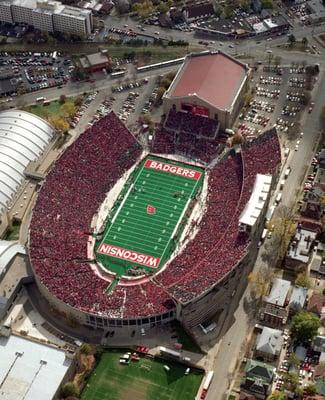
[{"x": 128, "y": 238}]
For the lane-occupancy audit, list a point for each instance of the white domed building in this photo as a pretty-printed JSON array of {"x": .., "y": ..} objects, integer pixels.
[{"x": 23, "y": 138}]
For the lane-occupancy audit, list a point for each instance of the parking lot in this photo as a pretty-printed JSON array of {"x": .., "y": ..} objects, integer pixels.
[
  {"x": 278, "y": 100},
  {"x": 25, "y": 72}
]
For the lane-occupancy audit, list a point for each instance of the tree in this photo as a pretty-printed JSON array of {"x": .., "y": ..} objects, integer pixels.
[
  {"x": 304, "y": 42},
  {"x": 69, "y": 389},
  {"x": 303, "y": 280},
  {"x": 59, "y": 123},
  {"x": 304, "y": 326},
  {"x": 311, "y": 389},
  {"x": 69, "y": 109},
  {"x": 292, "y": 39},
  {"x": 260, "y": 281},
  {"x": 267, "y": 4},
  {"x": 290, "y": 380},
  {"x": 284, "y": 227},
  {"x": 62, "y": 99},
  {"x": 277, "y": 395},
  {"x": 78, "y": 101},
  {"x": 294, "y": 360}
]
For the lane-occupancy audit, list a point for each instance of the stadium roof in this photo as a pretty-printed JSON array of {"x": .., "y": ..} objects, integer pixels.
[
  {"x": 8, "y": 250},
  {"x": 30, "y": 370},
  {"x": 257, "y": 200},
  {"x": 23, "y": 137},
  {"x": 213, "y": 77}
]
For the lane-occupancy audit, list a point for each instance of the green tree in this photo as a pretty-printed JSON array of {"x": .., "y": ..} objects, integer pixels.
[
  {"x": 259, "y": 282},
  {"x": 277, "y": 395},
  {"x": 290, "y": 380},
  {"x": 69, "y": 389},
  {"x": 294, "y": 360},
  {"x": 304, "y": 326},
  {"x": 311, "y": 389},
  {"x": 303, "y": 280},
  {"x": 267, "y": 4}
]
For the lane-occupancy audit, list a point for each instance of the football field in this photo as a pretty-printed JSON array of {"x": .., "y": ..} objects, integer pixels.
[
  {"x": 145, "y": 379},
  {"x": 142, "y": 231}
]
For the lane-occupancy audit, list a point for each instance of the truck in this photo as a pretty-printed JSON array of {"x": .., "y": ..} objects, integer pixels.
[{"x": 206, "y": 384}]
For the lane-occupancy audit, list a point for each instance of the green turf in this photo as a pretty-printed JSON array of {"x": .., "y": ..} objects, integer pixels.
[
  {"x": 131, "y": 227},
  {"x": 113, "y": 381},
  {"x": 54, "y": 108}
]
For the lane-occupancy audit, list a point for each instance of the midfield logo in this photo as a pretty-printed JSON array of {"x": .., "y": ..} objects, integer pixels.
[{"x": 151, "y": 209}]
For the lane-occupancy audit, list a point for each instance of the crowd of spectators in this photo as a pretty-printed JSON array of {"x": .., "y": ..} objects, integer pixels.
[
  {"x": 179, "y": 121},
  {"x": 184, "y": 143},
  {"x": 219, "y": 246},
  {"x": 78, "y": 184},
  {"x": 67, "y": 201}
]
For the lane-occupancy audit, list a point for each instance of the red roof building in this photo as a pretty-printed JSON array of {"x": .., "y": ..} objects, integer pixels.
[{"x": 210, "y": 84}]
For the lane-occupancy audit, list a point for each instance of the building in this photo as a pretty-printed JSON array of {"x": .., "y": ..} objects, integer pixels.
[
  {"x": 198, "y": 10},
  {"x": 95, "y": 62},
  {"x": 258, "y": 378},
  {"x": 268, "y": 344},
  {"x": 47, "y": 15},
  {"x": 30, "y": 370},
  {"x": 23, "y": 138},
  {"x": 210, "y": 84},
  {"x": 317, "y": 11},
  {"x": 299, "y": 250},
  {"x": 316, "y": 305},
  {"x": 298, "y": 299},
  {"x": 279, "y": 292}
]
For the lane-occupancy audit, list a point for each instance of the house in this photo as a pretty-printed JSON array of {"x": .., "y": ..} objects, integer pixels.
[
  {"x": 275, "y": 312},
  {"x": 299, "y": 250},
  {"x": 316, "y": 193},
  {"x": 319, "y": 343},
  {"x": 316, "y": 305},
  {"x": 297, "y": 299},
  {"x": 319, "y": 378},
  {"x": 198, "y": 10},
  {"x": 258, "y": 378},
  {"x": 320, "y": 178},
  {"x": 269, "y": 344},
  {"x": 317, "y": 265},
  {"x": 274, "y": 316},
  {"x": 279, "y": 292},
  {"x": 311, "y": 209}
]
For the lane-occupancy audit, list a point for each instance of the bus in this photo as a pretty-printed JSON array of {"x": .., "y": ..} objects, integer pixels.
[
  {"x": 269, "y": 213},
  {"x": 118, "y": 74},
  {"x": 163, "y": 64},
  {"x": 206, "y": 384}
]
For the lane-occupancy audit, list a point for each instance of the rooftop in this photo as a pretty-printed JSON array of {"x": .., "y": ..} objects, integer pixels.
[
  {"x": 298, "y": 297},
  {"x": 30, "y": 370},
  {"x": 257, "y": 200},
  {"x": 279, "y": 292},
  {"x": 269, "y": 341},
  {"x": 300, "y": 245},
  {"x": 213, "y": 77}
]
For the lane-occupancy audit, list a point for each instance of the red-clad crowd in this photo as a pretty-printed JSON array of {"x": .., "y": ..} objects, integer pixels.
[
  {"x": 77, "y": 185},
  {"x": 219, "y": 246}
]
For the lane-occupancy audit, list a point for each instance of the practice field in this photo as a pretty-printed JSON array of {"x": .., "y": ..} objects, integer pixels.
[
  {"x": 145, "y": 379},
  {"x": 144, "y": 227}
]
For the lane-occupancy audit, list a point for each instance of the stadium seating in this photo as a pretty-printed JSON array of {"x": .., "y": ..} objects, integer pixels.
[
  {"x": 219, "y": 246},
  {"x": 77, "y": 185},
  {"x": 69, "y": 198}
]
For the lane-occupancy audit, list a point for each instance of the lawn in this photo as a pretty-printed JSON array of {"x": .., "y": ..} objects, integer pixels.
[
  {"x": 13, "y": 232},
  {"x": 143, "y": 230},
  {"x": 140, "y": 380},
  {"x": 54, "y": 108}
]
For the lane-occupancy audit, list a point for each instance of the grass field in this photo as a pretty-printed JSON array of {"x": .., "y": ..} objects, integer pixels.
[
  {"x": 140, "y": 380},
  {"x": 46, "y": 111},
  {"x": 147, "y": 217}
]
